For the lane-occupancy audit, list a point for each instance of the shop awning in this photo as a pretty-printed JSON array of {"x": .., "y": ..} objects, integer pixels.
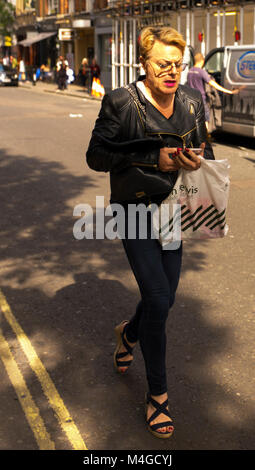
[{"x": 36, "y": 38}]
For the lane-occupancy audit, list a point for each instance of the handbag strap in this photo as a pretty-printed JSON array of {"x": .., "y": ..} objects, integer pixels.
[{"x": 134, "y": 95}]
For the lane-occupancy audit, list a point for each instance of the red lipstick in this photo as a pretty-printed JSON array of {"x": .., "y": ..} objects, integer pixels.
[{"x": 170, "y": 83}]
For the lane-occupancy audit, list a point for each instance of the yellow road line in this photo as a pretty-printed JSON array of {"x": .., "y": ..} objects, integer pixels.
[
  {"x": 29, "y": 407},
  {"x": 49, "y": 389}
]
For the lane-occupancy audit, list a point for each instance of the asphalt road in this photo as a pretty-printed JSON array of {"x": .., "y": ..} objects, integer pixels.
[{"x": 61, "y": 298}]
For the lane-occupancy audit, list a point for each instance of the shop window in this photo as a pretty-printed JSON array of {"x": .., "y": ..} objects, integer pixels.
[
  {"x": 106, "y": 52},
  {"x": 52, "y": 7},
  {"x": 63, "y": 6},
  {"x": 100, "y": 4},
  {"x": 80, "y": 5}
]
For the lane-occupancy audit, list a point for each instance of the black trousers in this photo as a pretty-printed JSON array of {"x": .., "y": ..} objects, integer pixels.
[{"x": 157, "y": 273}]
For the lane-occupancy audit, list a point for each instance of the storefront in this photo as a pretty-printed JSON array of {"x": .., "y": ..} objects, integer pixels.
[
  {"x": 83, "y": 40},
  {"x": 38, "y": 48},
  {"x": 65, "y": 44}
]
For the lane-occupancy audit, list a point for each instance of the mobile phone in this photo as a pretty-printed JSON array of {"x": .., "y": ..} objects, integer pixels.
[{"x": 197, "y": 151}]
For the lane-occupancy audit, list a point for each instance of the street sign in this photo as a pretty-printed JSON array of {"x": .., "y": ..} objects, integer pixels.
[{"x": 65, "y": 34}]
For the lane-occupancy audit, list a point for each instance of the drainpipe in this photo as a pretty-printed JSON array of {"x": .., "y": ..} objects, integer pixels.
[
  {"x": 192, "y": 43},
  {"x": 134, "y": 49},
  {"x": 223, "y": 27},
  {"x": 207, "y": 31},
  {"x": 188, "y": 28},
  {"x": 254, "y": 25},
  {"x": 113, "y": 55},
  {"x": 241, "y": 24},
  {"x": 121, "y": 55},
  {"x": 218, "y": 38},
  {"x": 125, "y": 52},
  {"x": 179, "y": 21},
  {"x": 130, "y": 48}
]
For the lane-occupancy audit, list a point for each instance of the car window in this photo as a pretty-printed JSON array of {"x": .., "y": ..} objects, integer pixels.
[
  {"x": 214, "y": 63},
  {"x": 214, "y": 66}
]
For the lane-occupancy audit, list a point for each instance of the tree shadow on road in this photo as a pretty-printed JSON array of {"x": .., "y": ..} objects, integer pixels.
[
  {"x": 69, "y": 294},
  {"x": 37, "y": 223},
  {"x": 73, "y": 335}
]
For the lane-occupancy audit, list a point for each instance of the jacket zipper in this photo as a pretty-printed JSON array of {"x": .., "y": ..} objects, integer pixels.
[
  {"x": 159, "y": 134},
  {"x": 167, "y": 133},
  {"x": 176, "y": 135},
  {"x": 152, "y": 165}
]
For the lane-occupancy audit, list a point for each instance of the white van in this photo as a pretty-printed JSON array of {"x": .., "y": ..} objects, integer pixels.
[{"x": 234, "y": 67}]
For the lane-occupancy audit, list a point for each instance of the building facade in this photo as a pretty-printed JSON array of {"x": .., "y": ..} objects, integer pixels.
[
  {"x": 47, "y": 29},
  {"x": 109, "y": 30},
  {"x": 204, "y": 24}
]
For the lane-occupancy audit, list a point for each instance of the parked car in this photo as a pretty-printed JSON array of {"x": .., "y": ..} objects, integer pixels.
[
  {"x": 234, "y": 67},
  {"x": 8, "y": 76}
]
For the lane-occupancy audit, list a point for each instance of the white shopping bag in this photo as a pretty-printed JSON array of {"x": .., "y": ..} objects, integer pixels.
[{"x": 196, "y": 207}]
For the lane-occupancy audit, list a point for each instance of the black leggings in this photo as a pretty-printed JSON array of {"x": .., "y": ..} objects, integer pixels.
[{"x": 157, "y": 273}]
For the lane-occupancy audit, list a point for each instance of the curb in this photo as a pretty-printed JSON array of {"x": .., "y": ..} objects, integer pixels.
[{"x": 64, "y": 93}]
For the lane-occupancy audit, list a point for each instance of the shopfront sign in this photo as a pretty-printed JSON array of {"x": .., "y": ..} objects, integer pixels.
[
  {"x": 81, "y": 23},
  {"x": 65, "y": 34}
]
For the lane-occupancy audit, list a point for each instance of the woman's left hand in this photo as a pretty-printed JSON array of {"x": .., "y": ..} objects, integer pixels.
[{"x": 192, "y": 162}]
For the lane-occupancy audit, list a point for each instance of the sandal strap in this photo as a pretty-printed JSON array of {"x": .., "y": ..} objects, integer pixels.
[
  {"x": 123, "y": 363},
  {"x": 128, "y": 348},
  {"x": 155, "y": 403},
  {"x": 156, "y": 426},
  {"x": 121, "y": 354},
  {"x": 160, "y": 408},
  {"x": 157, "y": 413}
]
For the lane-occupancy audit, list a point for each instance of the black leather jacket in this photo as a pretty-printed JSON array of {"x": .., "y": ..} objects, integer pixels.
[{"x": 127, "y": 143}]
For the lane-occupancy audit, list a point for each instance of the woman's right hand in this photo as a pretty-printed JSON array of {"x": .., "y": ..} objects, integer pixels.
[{"x": 165, "y": 162}]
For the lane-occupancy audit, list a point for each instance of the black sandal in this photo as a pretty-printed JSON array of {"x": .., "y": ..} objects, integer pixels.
[
  {"x": 160, "y": 408},
  {"x": 121, "y": 340}
]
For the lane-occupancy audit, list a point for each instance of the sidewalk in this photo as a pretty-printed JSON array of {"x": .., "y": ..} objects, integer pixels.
[{"x": 72, "y": 89}]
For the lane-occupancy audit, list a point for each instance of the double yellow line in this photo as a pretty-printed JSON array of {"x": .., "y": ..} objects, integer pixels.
[{"x": 31, "y": 411}]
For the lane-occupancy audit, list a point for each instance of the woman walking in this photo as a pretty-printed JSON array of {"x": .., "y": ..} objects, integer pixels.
[
  {"x": 140, "y": 137},
  {"x": 84, "y": 71}
]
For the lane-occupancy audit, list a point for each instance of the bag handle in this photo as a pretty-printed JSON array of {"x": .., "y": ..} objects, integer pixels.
[{"x": 134, "y": 95}]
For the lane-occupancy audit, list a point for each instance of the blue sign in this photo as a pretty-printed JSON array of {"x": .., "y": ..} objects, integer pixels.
[{"x": 246, "y": 65}]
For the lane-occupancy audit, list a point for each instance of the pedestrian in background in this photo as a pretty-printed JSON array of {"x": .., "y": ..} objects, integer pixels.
[
  {"x": 84, "y": 71},
  {"x": 13, "y": 62},
  {"x": 62, "y": 77},
  {"x": 61, "y": 61},
  {"x": 198, "y": 77},
  {"x": 94, "y": 70},
  {"x": 22, "y": 70},
  {"x": 61, "y": 69},
  {"x": 144, "y": 170}
]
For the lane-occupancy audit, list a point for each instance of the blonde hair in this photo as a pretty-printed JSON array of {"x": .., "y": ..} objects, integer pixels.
[
  {"x": 199, "y": 57},
  {"x": 165, "y": 34}
]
